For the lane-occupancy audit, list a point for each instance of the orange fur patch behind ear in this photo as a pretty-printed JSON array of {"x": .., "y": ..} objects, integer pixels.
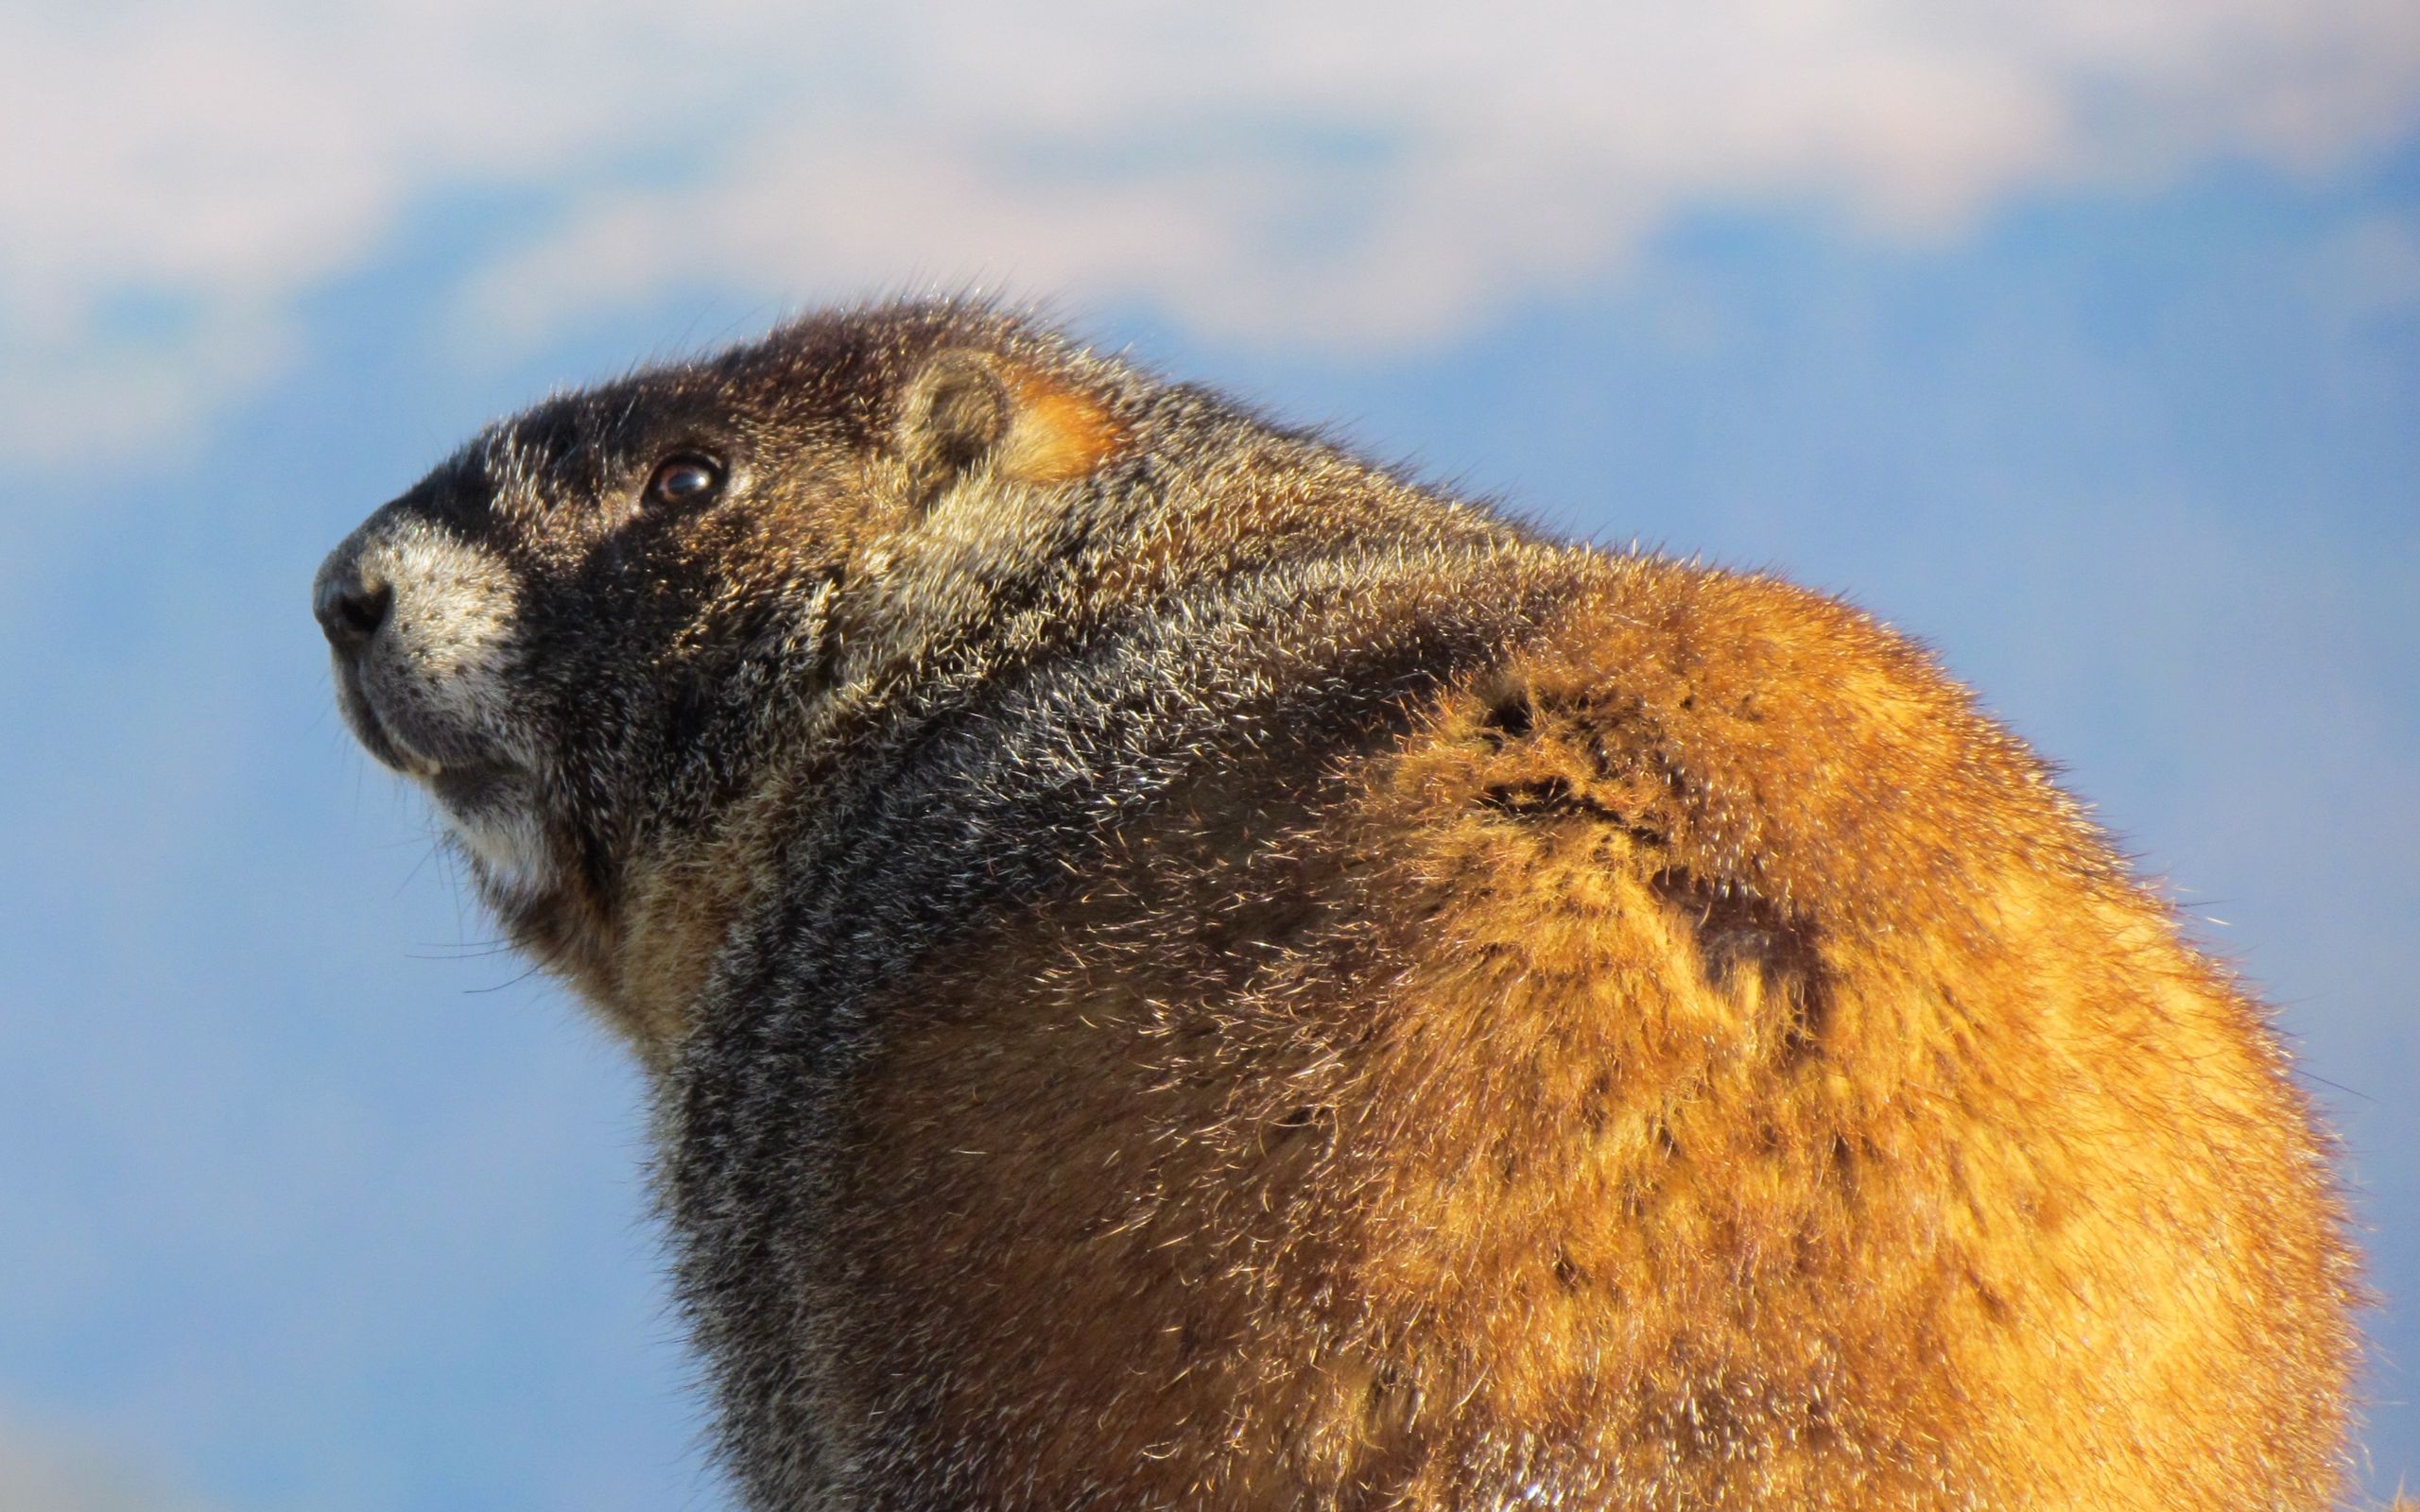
[{"x": 1058, "y": 435}]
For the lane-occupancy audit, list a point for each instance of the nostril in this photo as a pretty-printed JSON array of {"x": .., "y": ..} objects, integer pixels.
[
  {"x": 350, "y": 610},
  {"x": 365, "y": 609}
]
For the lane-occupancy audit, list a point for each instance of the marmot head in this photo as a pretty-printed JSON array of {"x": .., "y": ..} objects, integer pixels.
[{"x": 566, "y": 633}]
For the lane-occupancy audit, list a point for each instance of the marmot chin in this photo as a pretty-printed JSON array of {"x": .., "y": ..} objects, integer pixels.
[{"x": 1182, "y": 969}]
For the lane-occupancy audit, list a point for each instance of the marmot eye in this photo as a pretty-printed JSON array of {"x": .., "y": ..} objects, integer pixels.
[{"x": 685, "y": 479}]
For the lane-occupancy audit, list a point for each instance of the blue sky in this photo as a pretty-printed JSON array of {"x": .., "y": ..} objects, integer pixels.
[{"x": 2082, "y": 341}]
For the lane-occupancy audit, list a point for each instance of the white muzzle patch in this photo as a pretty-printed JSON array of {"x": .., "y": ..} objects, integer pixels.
[{"x": 438, "y": 679}]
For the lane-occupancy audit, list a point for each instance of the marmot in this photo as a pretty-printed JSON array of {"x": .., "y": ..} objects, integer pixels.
[{"x": 1180, "y": 968}]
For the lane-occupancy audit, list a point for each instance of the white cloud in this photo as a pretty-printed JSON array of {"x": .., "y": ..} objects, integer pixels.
[{"x": 1356, "y": 173}]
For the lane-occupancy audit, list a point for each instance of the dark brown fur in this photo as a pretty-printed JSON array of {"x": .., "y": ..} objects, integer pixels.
[{"x": 1185, "y": 971}]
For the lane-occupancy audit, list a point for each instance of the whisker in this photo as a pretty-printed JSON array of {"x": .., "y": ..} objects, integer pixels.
[
  {"x": 408, "y": 876},
  {"x": 480, "y": 991}
]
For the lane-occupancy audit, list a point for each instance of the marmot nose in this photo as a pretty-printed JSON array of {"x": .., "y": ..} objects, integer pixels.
[{"x": 349, "y": 607}]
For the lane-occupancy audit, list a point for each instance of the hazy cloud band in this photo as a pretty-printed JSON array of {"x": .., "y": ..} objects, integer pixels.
[{"x": 1359, "y": 175}]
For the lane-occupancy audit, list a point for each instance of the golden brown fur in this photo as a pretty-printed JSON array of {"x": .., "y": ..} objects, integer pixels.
[
  {"x": 1337, "y": 1004},
  {"x": 1956, "y": 1182}
]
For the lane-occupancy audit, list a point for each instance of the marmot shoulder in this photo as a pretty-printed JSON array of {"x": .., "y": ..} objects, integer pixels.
[{"x": 1181, "y": 969}]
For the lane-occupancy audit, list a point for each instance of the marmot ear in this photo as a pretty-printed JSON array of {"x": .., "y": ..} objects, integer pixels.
[
  {"x": 952, "y": 416},
  {"x": 969, "y": 408}
]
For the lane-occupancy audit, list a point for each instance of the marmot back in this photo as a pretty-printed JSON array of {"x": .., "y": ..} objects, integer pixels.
[{"x": 1180, "y": 970}]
